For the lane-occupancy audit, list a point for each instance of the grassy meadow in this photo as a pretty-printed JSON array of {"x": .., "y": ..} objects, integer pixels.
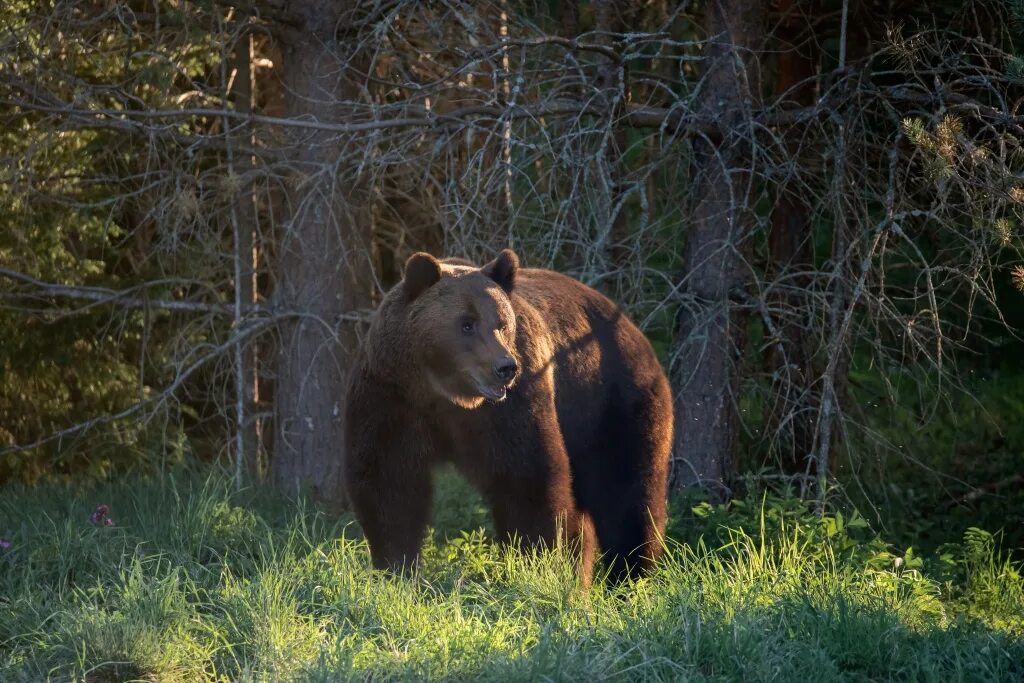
[{"x": 191, "y": 581}]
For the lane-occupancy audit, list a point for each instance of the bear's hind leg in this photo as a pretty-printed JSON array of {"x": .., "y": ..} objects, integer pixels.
[
  {"x": 630, "y": 539},
  {"x": 627, "y": 490}
]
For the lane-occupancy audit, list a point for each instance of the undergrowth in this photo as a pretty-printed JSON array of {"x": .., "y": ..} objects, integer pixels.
[{"x": 192, "y": 581}]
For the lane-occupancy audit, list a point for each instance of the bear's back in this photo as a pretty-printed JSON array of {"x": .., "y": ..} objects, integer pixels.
[{"x": 603, "y": 363}]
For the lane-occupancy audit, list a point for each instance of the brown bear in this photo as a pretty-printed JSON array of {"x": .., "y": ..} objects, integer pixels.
[{"x": 537, "y": 388}]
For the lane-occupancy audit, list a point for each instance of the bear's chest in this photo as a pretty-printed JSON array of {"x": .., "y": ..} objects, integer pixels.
[{"x": 462, "y": 437}]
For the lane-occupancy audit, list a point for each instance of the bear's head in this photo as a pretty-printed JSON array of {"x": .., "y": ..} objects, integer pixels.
[{"x": 461, "y": 327}]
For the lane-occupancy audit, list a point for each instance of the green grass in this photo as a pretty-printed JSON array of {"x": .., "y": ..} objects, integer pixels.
[{"x": 195, "y": 582}]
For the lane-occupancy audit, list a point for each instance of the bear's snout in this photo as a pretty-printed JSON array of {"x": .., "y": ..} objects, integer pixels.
[{"x": 506, "y": 369}]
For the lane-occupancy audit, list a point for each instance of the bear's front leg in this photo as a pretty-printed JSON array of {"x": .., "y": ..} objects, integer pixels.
[
  {"x": 530, "y": 486},
  {"x": 537, "y": 509},
  {"x": 388, "y": 481},
  {"x": 392, "y": 504},
  {"x": 532, "y": 507}
]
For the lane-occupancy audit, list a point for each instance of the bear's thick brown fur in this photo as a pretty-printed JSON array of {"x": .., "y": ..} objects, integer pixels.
[{"x": 536, "y": 387}]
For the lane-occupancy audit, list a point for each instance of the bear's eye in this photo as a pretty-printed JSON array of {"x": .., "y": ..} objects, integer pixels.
[{"x": 467, "y": 326}]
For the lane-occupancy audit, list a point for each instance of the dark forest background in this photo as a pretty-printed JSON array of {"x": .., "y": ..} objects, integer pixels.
[{"x": 813, "y": 209}]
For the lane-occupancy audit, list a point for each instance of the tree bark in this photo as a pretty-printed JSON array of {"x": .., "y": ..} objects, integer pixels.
[
  {"x": 704, "y": 373},
  {"x": 791, "y": 410},
  {"x": 608, "y": 20},
  {"x": 324, "y": 255},
  {"x": 563, "y": 184}
]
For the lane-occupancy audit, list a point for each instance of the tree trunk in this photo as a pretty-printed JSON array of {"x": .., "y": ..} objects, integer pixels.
[
  {"x": 710, "y": 333},
  {"x": 323, "y": 258},
  {"x": 248, "y": 440},
  {"x": 615, "y": 231},
  {"x": 562, "y": 184},
  {"x": 791, "y": 411}
]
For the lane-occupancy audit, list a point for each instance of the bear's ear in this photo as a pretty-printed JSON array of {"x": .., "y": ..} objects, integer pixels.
[
  {"x": 503, "y": 269},
  {"x": 421, "y": 271}
]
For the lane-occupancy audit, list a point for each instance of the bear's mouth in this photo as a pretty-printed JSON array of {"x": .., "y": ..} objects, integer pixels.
[{"x": 492, "y": 392}]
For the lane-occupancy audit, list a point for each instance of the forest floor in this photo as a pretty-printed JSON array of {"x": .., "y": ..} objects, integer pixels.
[{"x": 191, "y": 581}]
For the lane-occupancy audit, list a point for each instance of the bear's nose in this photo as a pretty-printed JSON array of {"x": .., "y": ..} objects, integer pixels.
[{"x": 506, "y": 369}]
